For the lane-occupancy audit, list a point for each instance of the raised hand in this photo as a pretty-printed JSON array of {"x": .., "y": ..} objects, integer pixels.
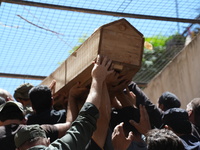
[
  {"x": 144, "y": 125},
  {"x": 101, "y": 68},
  {"x": 119, "y": 140},
  {"x": 77, "y": 92}
]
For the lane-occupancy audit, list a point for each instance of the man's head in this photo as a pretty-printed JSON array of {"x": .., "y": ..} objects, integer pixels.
[
  {"x": 21, "y": 92},
  {"x": 163, "y": 139},
  {"x": 177, "y": 120},
  {"x": 41, "y": 98},
  {"x": 168, "y": 100},
  {"x": 29, "y": 136},
  {"x": 6, "y": 95},
  {"x": 11, "y": 111},
  {"x": 193, "y": 109}
]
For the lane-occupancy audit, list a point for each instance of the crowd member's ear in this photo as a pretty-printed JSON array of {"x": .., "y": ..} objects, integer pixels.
[
  {"x": 190, "y": 113},
  {"x": 191, "y": 116},
  {"x": 168, "y": 127},
  {"x": 48, "y": 142},
  {"x": 161, "y": 106}
]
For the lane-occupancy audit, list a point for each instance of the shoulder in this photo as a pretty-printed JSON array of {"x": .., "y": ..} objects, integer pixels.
[
  {"x": 51, "y": 131},
  {"x": 90, "y": 109}
]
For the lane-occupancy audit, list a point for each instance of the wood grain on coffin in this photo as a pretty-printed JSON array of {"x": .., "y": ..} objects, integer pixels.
[{"x": 118, "y": 40}]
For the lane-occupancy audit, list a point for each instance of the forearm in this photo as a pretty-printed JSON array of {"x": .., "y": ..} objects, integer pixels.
[
  {"x": 81, "y": 130},
  {"x": 123, "y": 100},
  {"x": 95, "y": 93},
  {"x": 154, "y": 112},
  {"x": 115, "y": 103},
  {"x": 106, "y": 103},
  {"x": 99, "y": 136},
  {"x": 72, "y": 109},
  {"x": 62, "y": 128},
  {"x": 141, "y": 98}
]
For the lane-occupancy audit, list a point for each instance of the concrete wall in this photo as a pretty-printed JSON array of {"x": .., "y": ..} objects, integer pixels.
[{"x": 181, "y": 76}]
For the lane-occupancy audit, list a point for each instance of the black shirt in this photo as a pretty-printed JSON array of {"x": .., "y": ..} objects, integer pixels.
[{"x": 47, "y": 117}]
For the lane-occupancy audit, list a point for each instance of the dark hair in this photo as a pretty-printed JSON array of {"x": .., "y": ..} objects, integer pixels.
[
  {"x": 169, "y": 100},
  {"x": 21, "y": 92},
  {"x": 41, "y": 98},
  {"x": 163, "y": 139},
  {"x": 11, "y": 112},
  {"x": 195, "y": 106}
]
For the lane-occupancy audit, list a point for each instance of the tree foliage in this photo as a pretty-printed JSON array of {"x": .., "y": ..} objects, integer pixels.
[{"x": 164, "y": 50}]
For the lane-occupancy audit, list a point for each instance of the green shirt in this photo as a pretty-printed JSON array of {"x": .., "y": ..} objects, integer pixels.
[{"x": 78, "y": 136}]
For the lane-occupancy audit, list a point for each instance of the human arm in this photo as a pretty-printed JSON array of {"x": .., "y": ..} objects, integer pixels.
[
  {"x": 81, "y": 130},
  {"x": 119, "y": 140},
  {"x": 155, "y": 114},
  {"x": 77, "y": 94},
  {"x": 83, "y": 127},
  {"x": 100, "y": 134},
  {"x": 116, "y": 85},
  {"x": 144, "y": 125},
  {"x": 127, "y": 98},
  {"x": 99, "y": 73}
]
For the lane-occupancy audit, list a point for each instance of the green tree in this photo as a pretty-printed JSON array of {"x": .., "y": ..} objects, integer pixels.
[{"x": 164, "y": 50}]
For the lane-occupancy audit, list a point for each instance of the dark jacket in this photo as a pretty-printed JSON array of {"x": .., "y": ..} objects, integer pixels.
[
  {"x": 155, "y": 114},
  {"x": 78, "y": 136}
]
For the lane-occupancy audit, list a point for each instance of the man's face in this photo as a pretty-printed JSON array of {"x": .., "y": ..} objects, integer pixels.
[
  {"x": 190, "y": 113},
  {"x": 189, "y": 109}
]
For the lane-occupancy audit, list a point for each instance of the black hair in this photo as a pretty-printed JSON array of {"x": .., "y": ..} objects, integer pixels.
[
  {"x": 163, "y": 139},
  {"x": 41, "y": 98}
]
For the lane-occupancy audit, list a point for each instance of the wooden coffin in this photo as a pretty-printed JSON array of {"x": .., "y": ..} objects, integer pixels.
[{"x": 118, "y": 40}]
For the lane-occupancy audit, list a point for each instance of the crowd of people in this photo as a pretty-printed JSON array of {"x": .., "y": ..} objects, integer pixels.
[{"x": 113, "y": 113}]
